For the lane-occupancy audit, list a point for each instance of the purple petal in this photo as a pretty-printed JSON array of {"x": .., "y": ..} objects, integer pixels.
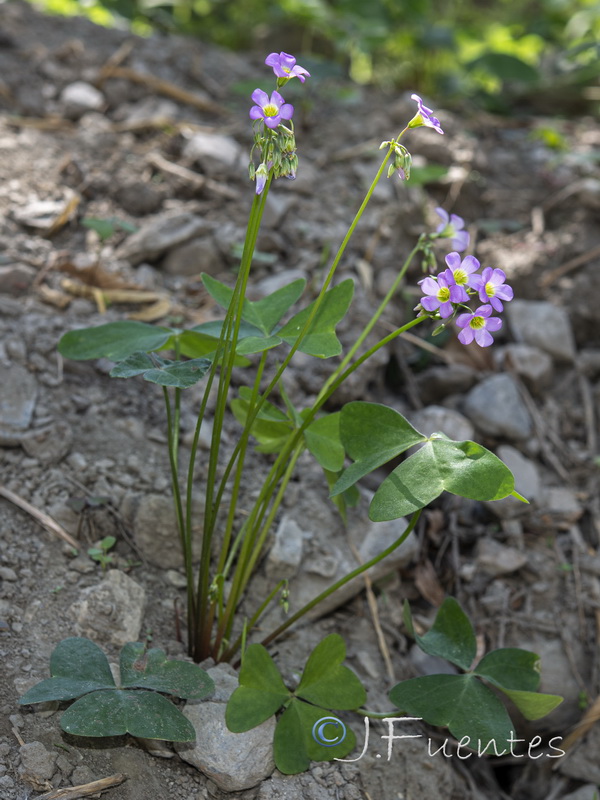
[
  {"x": 430, "y": 303},
  {"x": 429, "y": 286},
  {"x": 458, "y": 294},
  {"x": 466, "y": 336},
  {"x": 277, "y": 99},
  {"x": 493, "y": 324},
  {"x": 470, "y": 264},
  {"x": 443, "y": 214},
  {"x": 453, "y": 260},
  {"x": 260, "y": 97},
  {"x": 496, "y": 303},
  {"x": 483, "y": 311},
  {"x": 463, "y": 320},
  {"x": 446, "y": 310},
  {"x": 461, "y": 240},
  {"x": 300, "y": 73},
  {"x": 498, "y": 277},
  {"x": 505, "y": 292},
  {"x": 286, "y": 111},
  {"x": 457, "y": 222},
  {"x": 256, "y": 113},
  {"x": 483, "y": 338},
  {"x": 272, "y": 122}
]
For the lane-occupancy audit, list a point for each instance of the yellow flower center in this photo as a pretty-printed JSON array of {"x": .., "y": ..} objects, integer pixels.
[
  {"x": 443, "y": 294},
  {"x": 477, "y": 323},
  {"x": 461, "y": 277},
  {"x": 490, "y": 290},
  {"x": 270, "y": 110},
  {"x": 285, "y": 69}
]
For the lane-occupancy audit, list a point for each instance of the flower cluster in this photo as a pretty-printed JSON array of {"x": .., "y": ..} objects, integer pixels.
[
  {"x": 450, "y": 291},
  {"x": 274, "y": 136}
]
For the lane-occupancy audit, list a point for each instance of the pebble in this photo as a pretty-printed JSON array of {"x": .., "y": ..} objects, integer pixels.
[
  {"x": 496, "y": 408},
  {"x": 437, "y": 419},
  {"x": 436, "y": 383},
  {"x": 16, "y": 279},
  {"x": 285, "y": 554},
  {"x": 8, "y": 574},
  {"x": 543, "y": 325},
  {"x": 37, "y": 762},
  {"x": 159, "y": 234},
  {"x": 531, "y": 364},
  {"x": 18, "y": 395},
  {"x": 79, "y": 97},
  {"x": 497, "y": 559},
  {"x": 562, "y": 502},
  {"x": 192, "y": 258},
  {"x": 527, "y": 483},
  {"x": 212, "y": 150}
]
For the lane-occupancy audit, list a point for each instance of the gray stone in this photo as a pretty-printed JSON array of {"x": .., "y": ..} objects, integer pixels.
[
  {"x": 160, "y": 234},
  {"x": 542, "y": 325},
  {"x": 436, "y": 383},
  {"x": 110, "y": 611},
  {"x": 531, "y": 364},
  {"x": 139, "y": 197},
  {"x": 79, "y": 97},
  {"x": 192, "y": 258},
  {"x": 562, "y": 503},
  {"x": 37, "y": 763},
  {"x": 588, "y": 361},
  {"x": 152, "y": 517},
  {"x": 285, "y": 554},
  {"x": 18, "y": 395},
  {"x": 49, "y": 444},
  {"x": 527, "y": 483},
  {"x": 588, "y": 792},
  {"x": 437, "y": 419},
  {"x": 234, "y": 761},
  {"x": 16, "y": 279},
  {"x": 212, "y": 149},
  {"x": 497, "y": 559},
  {"x": 582, "y": 762},
  {"x": 496, "y": 408}
]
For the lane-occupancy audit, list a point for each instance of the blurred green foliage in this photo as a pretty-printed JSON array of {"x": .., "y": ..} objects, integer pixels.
[{"x": 478, "y": 48}]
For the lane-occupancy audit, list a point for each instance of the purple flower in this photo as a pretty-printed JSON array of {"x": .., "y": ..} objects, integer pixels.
[
  {"x": 424, "y": 116},
  {"x": 284, "y": 66},
  {"x": 272, "y": 109},
  {"x": 461, "y": 271},
  {"x": 452, "y": 228},
  {"x": 262, "y": 173},
  {"x": 492, "y": 289},
  {"x": 441, "y": 294},
  {"x": 477, "y": 326}
]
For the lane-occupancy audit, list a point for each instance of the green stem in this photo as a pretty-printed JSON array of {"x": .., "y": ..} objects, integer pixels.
[{"x": 338, "y": 584}]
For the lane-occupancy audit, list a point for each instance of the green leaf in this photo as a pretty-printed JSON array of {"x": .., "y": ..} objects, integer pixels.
[
  {"x": 533, "y": 705},
  {"x": 506, "y": 67},
  {"x": 299, "y": 732},
  {"x": 260, "y": 694},
  {"x": 163, "y": 371},
  {"x": 118, "y": 711},
  {"x": 150, "y": 669},
  {"x": 114, "y": 340},
  {"x": 320, "y": 340},
  {"x": 271, "y": 427},
  {"x": 451, "y": 635},
  {"x": 463, "y": 468},
  {"x": 264, "y": 313},
  {"x": 459, "y": 702},
  {"x": 372, "y": 435},
  {"x": 325, "y": 682},
  {"x": 348, "y": 498},
  {"x": 322, "y": 438},
  {"x": 203, "y": 340},
  {"x": 77, "y": 666},
  {"x": 511, "y": 668}
]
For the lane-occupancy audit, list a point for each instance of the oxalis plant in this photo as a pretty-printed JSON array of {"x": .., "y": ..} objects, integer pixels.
[{"x": 347, "y": 444}]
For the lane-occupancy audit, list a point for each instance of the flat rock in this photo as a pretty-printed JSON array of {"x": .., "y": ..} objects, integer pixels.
[
  {"x": 527, "y": 483},
  {"x": 110, "y": 611},
  {"x": 562, "y": 503},
  {"x": 437, "y": 419},
  {"x": 79, "y": 97},
  {"x": 542, "y": 325},
  {"x": 496, "y": 408},
  {"x": 531, "y": 364},
  {"x": 212, "y": 149},
  {"x": 234, "y": 761},
  {"x": 162, "y": 233},
  {"x": 285, "y": 554},
  {"x": 16, "y": 279},
  {"x": 192, "y": 258},
  {"x": 50, "y": 444},
  {"x": 38, "y": 765},
  {"x": 436, "y": 383},
  {"x": 497, "y": 559},
  {"x": 18, "y": 395}
]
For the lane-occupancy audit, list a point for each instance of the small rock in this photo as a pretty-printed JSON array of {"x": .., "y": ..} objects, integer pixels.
[
  {"x": 588, "y": 792},
  {"x": 18, "y": 395},
  {"x": 8, "y": 574},
  {"x": 234, "y": 761},
  {"x": 286, "y": 553},
  {"x": 497, "y": 559},
  {"x": 561, "y": 502},
  {"x": 527, "y": 483},
  {"x": 192, "y": 258},
  {"x": 79, "y": 97},
  {"x": 160, "y": 234},
  {"x": 437, "y": 419},
  {"x": 110, "y": 611},
  {"x": 588, "y": 362},
  {"x": 531, "y": 364},
  {"x": 542, "y": 325},
  {"x": 49, "y": 445},
  {"x": 496, "y": 408},
  {"x": 176, "y": 579},
  {"x": 436, "y": 383},
  {"x": 139, "y": 198},
  {"x": 212, "y": 150},
  {"x": 37, "y": 762},
  {"x": 16, "y": 279}
]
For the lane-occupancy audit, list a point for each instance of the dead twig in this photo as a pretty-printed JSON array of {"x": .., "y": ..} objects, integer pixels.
[
  {"x": 44, "y": 520},
  {"x": 190, "y": 177},
  {"x": 551, "y": 277},
  {"x": 84, "y": 789},
  {"x": 160, "y": 86},
  {"x": 589, "y": 719}
]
